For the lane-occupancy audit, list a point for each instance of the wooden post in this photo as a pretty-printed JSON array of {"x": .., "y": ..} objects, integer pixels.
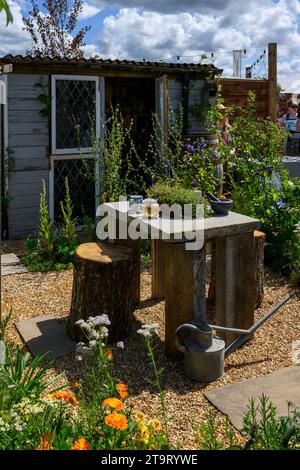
[
  {"x": 158, "y": 261},
  {"x": 248, "y": 72},
  {"x": 235, "y": 282},
  {"x": 185, "y": 291},
  {"x": 259, "y": 240},
  {"x": 272, "y": 76}
]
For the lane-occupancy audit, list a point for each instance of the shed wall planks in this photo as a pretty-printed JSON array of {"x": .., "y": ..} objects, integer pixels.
[{"x": 28, "y": 140}]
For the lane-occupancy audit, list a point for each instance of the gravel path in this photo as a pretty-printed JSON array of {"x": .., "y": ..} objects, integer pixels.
[{"x": 36, "y": 294}]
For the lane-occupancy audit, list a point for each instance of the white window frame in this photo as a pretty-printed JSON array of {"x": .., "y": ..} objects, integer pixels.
[
  {"x": 51, "y": 177},
  {"x": 72, "y": 151}
]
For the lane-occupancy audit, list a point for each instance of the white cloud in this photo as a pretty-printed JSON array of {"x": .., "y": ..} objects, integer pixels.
[
  {"x": 13, "y": 40},
  {"x": 136, "y": 34},
  {"x": 88, "y": 11},
  {"x": 153, "y": 34}
]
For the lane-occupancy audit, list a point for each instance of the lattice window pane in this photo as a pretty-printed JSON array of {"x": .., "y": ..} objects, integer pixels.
[
  {"x": 75, "y": 106},
  {"x": 82, "y": 188}
]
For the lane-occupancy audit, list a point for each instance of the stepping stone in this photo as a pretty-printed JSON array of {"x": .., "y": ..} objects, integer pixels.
[
  {"x": 10, "y": 264},
  {"x": 280, "y": 386},
  {"x": 46, "y": 335}
]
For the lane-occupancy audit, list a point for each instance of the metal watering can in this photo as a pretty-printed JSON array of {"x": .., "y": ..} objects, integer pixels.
[{"x": 203, "y": 352}]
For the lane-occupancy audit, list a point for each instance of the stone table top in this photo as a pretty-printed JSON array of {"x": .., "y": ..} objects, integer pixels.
[{"x": 187, "y": 229}]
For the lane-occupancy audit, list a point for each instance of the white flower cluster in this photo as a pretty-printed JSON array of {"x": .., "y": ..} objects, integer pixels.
[
  {"x": 297, "y": 228},
  {"x": 95, "y": 329},
  {"x": 4, "y": 426},
  {"x": 148, "y": 330}
]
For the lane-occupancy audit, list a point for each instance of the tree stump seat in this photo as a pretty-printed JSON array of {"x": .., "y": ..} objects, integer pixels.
[{"x": 103, "y": 283}]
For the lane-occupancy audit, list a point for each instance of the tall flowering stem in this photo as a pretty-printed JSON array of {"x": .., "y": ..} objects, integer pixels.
[{"x": 147, "y": 332}]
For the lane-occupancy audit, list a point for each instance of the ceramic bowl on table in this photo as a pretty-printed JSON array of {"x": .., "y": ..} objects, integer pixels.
[{"x": 222, "y": 207}]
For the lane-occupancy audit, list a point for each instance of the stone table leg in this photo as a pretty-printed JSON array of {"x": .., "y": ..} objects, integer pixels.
[
  {"x": 235, "y": 286},
  {"x": 158, "y": 261},
  {"x": 184, "y": 291}
]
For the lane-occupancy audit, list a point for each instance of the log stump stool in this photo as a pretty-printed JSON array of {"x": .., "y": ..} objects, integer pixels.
[{"x": 104, "y": 283}]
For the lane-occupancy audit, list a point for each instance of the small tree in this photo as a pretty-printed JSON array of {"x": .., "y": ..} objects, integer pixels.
[
  {"x": 4, "y": 6},
  {"x": 52, "y": 30}
]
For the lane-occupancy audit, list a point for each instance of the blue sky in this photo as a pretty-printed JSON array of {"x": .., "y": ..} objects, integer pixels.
[{"x": 165, "y": 29}]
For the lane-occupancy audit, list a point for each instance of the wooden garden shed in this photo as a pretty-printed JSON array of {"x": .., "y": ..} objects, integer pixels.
[{"x": 40, "y": 140}]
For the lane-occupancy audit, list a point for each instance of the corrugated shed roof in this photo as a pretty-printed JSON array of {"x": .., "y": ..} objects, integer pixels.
[{"x": 45, "y": 61}]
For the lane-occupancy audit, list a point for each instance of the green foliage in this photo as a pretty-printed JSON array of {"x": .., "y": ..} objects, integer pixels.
[
  {"x": 264, "y": 429},
  {"x": 271, "y": 432},
  {"x": 164, "y": 149},
  {"x": 261, "y": 188},
  {"x": 167, "y": 193},
  {"x": 53, "y": 249},
  {"x": 119, "y": 168},
  {"x": 46, "y": 230},
  {"x": 146, "y": 252},
  {"x": 97, "y": 417},
  {"x": 44, "y": 98},
  {"x": 22, "y": 377},
  {"x": 209, "y": 435},
  {"x": 4, "y": 6},
  {"x": 89, "y": 228},
  {"x": 4, "y": 320}
]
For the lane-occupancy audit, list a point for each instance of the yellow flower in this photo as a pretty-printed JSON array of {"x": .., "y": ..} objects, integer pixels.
[
  {"x": 81, "y": 444},
  {"x": 116, "y": 420},
  {"x": 123, "y": 390},
  {"x": 113, "y": 403},
  {"x": 155, "y": 425},
  {"x": 139, "y": 416},
  {"x": 68, "y": 397},
  {"x": 144, "y": 435}
]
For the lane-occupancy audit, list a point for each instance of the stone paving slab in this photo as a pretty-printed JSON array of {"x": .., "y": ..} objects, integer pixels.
[
  {"x": 10, "y": 264},
  {"x": 280, "y": 386},
  {"x": 46, "y": 335}
]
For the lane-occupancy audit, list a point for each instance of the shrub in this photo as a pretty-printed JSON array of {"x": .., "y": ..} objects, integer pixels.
[
  {"x": 262, "y": 427},
  {"x": 167, "y": 193},
  {"x": 54, "y": 247}
]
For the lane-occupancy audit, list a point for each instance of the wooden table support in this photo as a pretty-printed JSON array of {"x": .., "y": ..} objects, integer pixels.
[
  {"x": 185, "y": 291},
  {"x": 158, "y": 261},
  {"x": 235, "y": 282}
]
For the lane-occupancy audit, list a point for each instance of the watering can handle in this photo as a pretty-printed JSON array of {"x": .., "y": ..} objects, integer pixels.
[{"x": 185, "y": 326}]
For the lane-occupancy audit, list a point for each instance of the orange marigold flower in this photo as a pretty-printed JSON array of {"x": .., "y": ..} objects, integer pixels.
[
  {"x": 44, "y": 442},
  {"x": 109, "y": 354},
  {"x": 123, "y": 390},
  {"x": 74, "y": 384},
  {"x": 68, "y": 397},
  {"x": 116, "y": 420},
  {"x": 81, "y": 444},
  {"x": 113, "y": 403}
]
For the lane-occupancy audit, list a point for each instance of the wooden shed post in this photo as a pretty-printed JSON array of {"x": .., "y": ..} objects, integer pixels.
[{"x": 272, "y": 76}]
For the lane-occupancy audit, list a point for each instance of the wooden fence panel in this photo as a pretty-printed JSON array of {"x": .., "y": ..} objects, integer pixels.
[{"x": 235, "y": 91}]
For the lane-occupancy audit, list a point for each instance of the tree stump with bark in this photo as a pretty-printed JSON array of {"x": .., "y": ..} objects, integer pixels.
[
  {"x": 259, "y": 239},
  {"x": 104, "y": 283}
]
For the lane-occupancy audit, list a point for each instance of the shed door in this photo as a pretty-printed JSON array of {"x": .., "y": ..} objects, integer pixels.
[{"x": 77, "y": 120}]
